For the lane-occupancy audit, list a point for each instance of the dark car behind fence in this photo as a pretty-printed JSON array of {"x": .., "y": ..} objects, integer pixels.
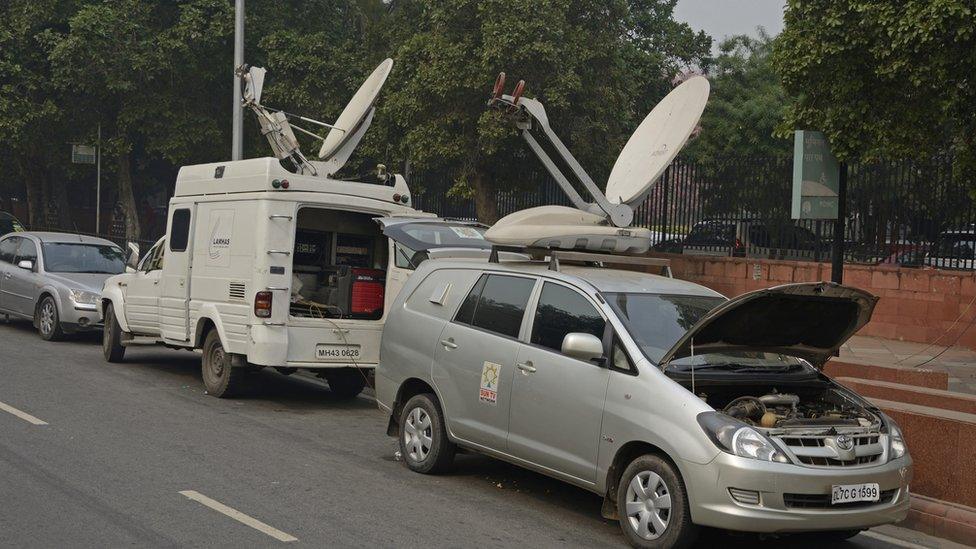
[{"x": 910, "y": 213}]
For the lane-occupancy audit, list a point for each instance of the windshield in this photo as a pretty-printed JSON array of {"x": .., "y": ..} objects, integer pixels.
[
  {"x": 656, "y": 322},
  {"x": 71, "y": 257}
]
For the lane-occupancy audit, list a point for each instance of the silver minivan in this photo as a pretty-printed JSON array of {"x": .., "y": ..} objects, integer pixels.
[{"x": 683, "y": 409}]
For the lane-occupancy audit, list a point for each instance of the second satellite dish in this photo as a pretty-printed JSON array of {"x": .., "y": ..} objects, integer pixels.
[
  {"x": 356, "y": 110},
  {"x": 643, "y": 159}
]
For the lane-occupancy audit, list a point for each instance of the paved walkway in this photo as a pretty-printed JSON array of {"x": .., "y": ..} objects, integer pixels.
[{"x": 958, "y": 362}]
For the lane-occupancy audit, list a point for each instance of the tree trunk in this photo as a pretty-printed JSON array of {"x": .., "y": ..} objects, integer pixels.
[
  {"x": 485, "y": 201},
  {"x": 127, "y": 199},
  {"x": 36, "y": 181}
]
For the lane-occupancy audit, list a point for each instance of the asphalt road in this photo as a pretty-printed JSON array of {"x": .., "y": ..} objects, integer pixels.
[{"x": 132, "y": 455}]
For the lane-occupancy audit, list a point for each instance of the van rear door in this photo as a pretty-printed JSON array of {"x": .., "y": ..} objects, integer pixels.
[{"x": 174, "y": 297}]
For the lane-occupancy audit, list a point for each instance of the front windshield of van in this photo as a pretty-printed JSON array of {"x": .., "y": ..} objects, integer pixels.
[{"x": 657, "y": 321}]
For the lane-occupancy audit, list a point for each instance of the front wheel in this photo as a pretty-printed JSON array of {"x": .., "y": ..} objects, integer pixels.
[
  {"x": 112, "y": 337},
  {"x": 346, "y": 383},
  {"x": 653, "y": 505},
  {"x": 221, "y": 379},
  {"x": 423, "y": 437},
  {"x": 48, "y": 320}
]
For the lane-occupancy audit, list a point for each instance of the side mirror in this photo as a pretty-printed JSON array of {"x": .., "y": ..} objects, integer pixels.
[
  {"x": 582, "y": 346},
  {"x": 26, "y": 264},
  {"x": 133, "y": 259}
]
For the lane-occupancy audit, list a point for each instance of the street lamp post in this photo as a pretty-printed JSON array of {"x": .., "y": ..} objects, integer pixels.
[{"x": 237, "y": 144}]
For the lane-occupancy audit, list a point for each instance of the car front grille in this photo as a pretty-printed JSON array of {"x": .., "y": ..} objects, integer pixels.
[
  {"x": 818, "y": 450},
  {"x": 822, "y": 501}
]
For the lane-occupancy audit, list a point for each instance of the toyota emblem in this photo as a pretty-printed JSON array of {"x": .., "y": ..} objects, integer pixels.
[{"x": 845, "y": 442}]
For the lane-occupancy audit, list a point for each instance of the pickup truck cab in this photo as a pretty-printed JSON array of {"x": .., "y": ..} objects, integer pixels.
[{"x": 264, "y": 267}]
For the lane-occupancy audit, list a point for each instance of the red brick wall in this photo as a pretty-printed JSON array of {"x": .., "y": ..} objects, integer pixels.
[{"x": 916, "y": 304}]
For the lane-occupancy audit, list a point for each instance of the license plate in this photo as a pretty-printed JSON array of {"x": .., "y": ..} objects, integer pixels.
[
  {"x": 337, "y": 353},
  {"x": 850, "y": 493}
]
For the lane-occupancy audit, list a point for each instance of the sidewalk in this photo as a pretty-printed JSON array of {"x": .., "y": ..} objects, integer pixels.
[{"x": 958, "y": 362}]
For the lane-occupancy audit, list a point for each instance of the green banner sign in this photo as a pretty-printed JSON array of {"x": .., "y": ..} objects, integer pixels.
[{"x": 816, "y": 177}]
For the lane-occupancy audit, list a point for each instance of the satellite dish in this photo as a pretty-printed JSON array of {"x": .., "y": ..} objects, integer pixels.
[
  {"x": 356, "y": 110},
  {"x": 655, "y": 143},
  {"x": 604, "y": 224}
]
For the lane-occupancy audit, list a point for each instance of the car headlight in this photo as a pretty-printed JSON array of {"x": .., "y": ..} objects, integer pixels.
[
  {"x": 81, "y": 297},
  {"x": 737, "y": 438},
  {"x": 896, "y": 440}
]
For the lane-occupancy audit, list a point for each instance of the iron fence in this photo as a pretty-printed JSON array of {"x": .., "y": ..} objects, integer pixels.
[{"x": 912, "y": 213}]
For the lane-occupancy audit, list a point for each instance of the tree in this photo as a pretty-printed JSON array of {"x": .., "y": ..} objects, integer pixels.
[
  {"x": 880, "y": 78},
  {"x": 746, "y": 103},
  {"x": 598, "y": 67}
]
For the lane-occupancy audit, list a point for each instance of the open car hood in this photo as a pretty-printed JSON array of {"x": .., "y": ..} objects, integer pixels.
[{"x": 807, "y": 320}]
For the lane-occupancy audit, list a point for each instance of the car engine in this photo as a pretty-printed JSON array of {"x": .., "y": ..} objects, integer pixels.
[{"x": 800, "y": 408}]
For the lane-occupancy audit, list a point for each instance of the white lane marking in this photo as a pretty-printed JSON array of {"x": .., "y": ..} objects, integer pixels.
[
  {"x": 238, "y": 516},
  {"x": 21, "y": 414},
  {"x": 893, "y": 541}
]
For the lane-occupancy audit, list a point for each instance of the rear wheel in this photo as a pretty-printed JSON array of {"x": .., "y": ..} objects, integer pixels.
[
  {"x": 221, "y": 379},
  {"x": 346, "y": 382},
  {"x": 423, "y": 437},
  {"x": 112, "y": 337},
  {"x": 653, "y": 505},
  {"x": 48, "y": 320}
]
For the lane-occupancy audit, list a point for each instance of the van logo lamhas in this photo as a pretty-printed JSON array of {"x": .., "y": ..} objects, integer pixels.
[
  {"x": 489, "y": 383},
  {"x": 221, "y": 229}
]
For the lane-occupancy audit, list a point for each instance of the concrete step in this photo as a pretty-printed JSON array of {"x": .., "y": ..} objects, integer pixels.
[
  {"x": 905, "y": 376},
  {"x": 910, "y": 394},
  {"x": 942, "y": 444}
]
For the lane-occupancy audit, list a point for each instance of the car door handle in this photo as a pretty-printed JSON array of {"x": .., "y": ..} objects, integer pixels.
[
  {"x": 526, "y": 367},
  {"x": 449, "y": 343}
]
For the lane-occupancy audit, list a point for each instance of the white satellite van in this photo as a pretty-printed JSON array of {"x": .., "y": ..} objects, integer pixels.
[{"x": 263, "y": 266}]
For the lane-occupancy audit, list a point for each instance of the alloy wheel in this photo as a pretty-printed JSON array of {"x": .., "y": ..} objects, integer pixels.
[
  {"x": 648, "y": 505},
  {"x": 417, "y": 434},
  {"x": 47, "y": 317}
]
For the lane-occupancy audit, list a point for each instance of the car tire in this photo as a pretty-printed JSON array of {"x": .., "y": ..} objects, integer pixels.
[
  {"x": 48, "y": 320},
  {"x": 652, "y": 503},
  {"x": 424, "y": 445},
  {"x": 346, "y": 383},
  {"x": 112, "y": 337},
  {"x": 220, "y": 377}
]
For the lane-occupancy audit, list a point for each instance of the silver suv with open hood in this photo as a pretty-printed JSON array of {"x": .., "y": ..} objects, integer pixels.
[{"x": 682, "y": 408}]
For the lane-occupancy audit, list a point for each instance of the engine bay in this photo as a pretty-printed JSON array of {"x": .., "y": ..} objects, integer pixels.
[{"x": 818, "y": 405}]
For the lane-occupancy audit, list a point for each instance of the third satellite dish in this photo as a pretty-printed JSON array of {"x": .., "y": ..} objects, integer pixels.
[{"x": 356, "y": 110}]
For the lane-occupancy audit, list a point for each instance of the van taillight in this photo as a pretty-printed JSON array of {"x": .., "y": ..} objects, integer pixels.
[{"x": 262, "y": 304}]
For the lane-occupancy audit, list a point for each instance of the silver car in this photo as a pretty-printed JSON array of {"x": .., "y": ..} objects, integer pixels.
[
  {"x": 55, "y": 279},
  {"x": 683, "y": 409}
]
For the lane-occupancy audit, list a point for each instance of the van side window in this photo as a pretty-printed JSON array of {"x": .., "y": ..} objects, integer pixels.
[
  {"x": 179, "y": 234},
  {"x": 8, "y": 249},
  {"x": 560, "y": 311},
  {"x": 497, "y": 304}
]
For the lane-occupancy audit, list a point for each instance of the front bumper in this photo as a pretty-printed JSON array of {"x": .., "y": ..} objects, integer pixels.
[
  {"x": 712, "y": 504},
  {"x": 79, "y": 318}
]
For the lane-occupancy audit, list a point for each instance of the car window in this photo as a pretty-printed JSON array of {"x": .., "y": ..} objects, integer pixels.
[
  {"x": 562, "y": 310},
  {"x": 180, "y": 232},
  {"x": 8, "y": 249},
  {"x": 154, "y": 259},
  {"x": 619, "y": 359},
  {"x": 27, "y": 251},
  {"x": 83, "y": 257},
  {"x": 497, "y": 304}
]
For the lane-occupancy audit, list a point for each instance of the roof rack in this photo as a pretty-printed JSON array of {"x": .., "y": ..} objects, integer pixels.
[{"x": 555, "y": 256}]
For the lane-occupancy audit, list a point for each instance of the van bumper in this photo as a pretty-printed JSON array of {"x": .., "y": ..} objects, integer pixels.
[{"x": 713, "y": 505}]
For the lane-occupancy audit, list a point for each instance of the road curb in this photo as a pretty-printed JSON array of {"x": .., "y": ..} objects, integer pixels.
[{"x": 942, "y": 519}]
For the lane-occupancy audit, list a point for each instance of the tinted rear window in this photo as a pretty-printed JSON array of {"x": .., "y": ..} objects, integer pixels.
[{"x": 497, "y": 304}]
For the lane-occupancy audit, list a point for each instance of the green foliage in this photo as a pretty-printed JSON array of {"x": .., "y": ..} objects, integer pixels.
[
  {"x": 881, "y": 78},
  {"x": 598, "y": 66},
  {"x": 746, "y": 103}
]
